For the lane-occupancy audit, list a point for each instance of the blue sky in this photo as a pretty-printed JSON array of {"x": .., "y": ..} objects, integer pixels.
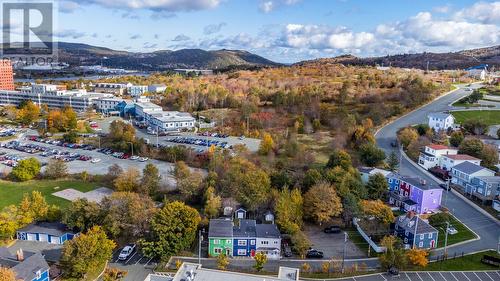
[{"x": 282, "y": 30}]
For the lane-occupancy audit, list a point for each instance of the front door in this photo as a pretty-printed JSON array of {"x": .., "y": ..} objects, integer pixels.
[
  {"x": 432, "y": 243},
  {"x": 252, "y": 253}
]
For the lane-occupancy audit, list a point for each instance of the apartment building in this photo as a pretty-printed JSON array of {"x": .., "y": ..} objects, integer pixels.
[
  {"x": 154, "y": 116},
  {"x": 431, "y": 155},
  {"x": 6, "y": 75},
  {"x": 136, "y": 90},
  {"x": 117, "y": 89}
]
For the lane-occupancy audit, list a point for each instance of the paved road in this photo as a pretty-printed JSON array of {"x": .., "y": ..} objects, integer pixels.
[
  {"x": 487, "y": 228},
  {"x": 431, "y": 276}
]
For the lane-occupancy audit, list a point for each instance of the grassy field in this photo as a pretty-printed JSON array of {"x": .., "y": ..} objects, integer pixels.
[
  {"x": 490, "y": 117},
  {"x": 470, "y": 262},
  {"x": 463, "y": 234},
  {"x": 12, "y": 192}
]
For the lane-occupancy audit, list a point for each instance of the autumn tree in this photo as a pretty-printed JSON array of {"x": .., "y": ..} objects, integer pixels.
[
  {"x": 456, "y": 138},
  {"x": 213, "y": 203},
  {"x": 472, "y": 147},
  {"x": 489, "y": 155},
  {"x": 87, "y": 252},
  {"x": 28, "y": 113},
  {"x": 189, "y": 183},
  {"x": 407, "y": 136},
  {"x": 300, "y": 243},
  {"x": 371, "y": 155},
  {"x": 377, "y": 186},
  {"x": 173, "y": 229},
  {"x": 150, "y": 181},
  {"x": 33, "y": 206},
  {"x": 128, "y": 180},
  {"x": 267, "y": 144},
  {"x": 321, "y": 203},
  {"x": 378, "y": 210},
  {"x": 339, "y": 158},
  {"x": 26, "y": 169},
  {"x": 7, "y": 274},
  {"x": 418, "y": 257},
  {"x": 249, "y": 184},
  {"x": 260, "y": 260},
  {"x": 56, "y": 169},
  {"x": 222, "y": 261},
  {"x": 394, "y": 254},
  {"x": 82, "y": 215},
  {"x": 289, "y": 211}
]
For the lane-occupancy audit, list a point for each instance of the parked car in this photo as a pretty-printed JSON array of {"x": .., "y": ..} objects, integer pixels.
[
  {"x": 287, "y": 251},
  {"x": 96, "y": 160},
  {"x": 134, "y": 157},
  {"x": 452, "y": 230},
  {"x": 332, "y": 229},
  {"x": 314, "y": 254},
  {"x": 126, "y": 252},
  {"x": 143, "y": 159}
]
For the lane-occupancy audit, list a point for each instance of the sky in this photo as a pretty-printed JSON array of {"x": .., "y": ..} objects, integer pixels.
[{"x": 282, "y": 30}]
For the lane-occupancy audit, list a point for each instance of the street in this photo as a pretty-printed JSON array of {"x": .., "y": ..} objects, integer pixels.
[{"x": 485, "y": 226}]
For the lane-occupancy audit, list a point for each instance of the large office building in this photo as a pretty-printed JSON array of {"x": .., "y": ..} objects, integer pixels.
[
  {"x": 53, "y": 96},
  {"x": 6, "y": 75},
  {"x": 159, "y": 120}
]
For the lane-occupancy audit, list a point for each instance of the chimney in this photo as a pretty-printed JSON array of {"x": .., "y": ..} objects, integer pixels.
[
  {"x": 20, "y": 255},
  {"x": 410, "y": 214}
]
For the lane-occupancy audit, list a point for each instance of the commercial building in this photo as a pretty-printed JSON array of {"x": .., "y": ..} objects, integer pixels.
[
  {"x": 6, "y": 75},
  {"x": 53, "y": 96},
  {"x": 136, "y": 90},
  {"x": 117, "y": 89},
  {"x": 415, "y": 232},
  {"x": 154, "y": 116}
]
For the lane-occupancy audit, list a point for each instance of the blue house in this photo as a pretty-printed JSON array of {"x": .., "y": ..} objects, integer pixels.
[
  {"x": 426, "y": 235},
  {"x": 28, "y": 266},
  {"x": 484, "y": 188},
  {"x": 50, "y": 232},
  {"x": 244, "y": 238}
]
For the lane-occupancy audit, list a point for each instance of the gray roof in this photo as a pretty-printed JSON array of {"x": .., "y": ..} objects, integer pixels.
[
  {"x": 26, "y": 269},
  {"x": 220, "y": 228},
  {"x": 420, "y": 183},
  {"x": 268, "y": 231},
  {"x": 51, "y": 228},
  {"x": 408, "y": 224},
  {"x": 469, "y": 168},
  {"x": 440, "y": 115},
  {"x": 201, "y": 274},
  {"x": 491, "y": 179},
  {"x": 245, "y": 228}
]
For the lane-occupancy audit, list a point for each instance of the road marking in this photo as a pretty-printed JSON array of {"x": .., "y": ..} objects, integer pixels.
[
  {"x": 430, "y": 276},
  {"x": 130, "y": 257},
  {"x": 407, "y": 276},
  {"x": 451, "y": 273},
  {"x": 464, "y": 275},
  {"x": 148, "y": 262},
  {"x": 139, "y": 260},
  {"x": 383, "y": 276},
  {"x": 418, "y": 275},
  {"x": 477, "y": 276},
  {"x": 442, "y": 276},
  {"x": 489, "y": 276}
]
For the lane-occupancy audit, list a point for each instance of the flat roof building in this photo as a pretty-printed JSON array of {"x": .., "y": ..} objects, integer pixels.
[{"x": 6, "y": 75}]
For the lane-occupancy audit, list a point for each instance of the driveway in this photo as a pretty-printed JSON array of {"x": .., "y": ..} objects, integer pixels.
[
  {"x": 332, "y": 245},
  {"x": 486, "y": 227}
]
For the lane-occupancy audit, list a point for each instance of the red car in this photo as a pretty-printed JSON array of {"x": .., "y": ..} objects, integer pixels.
[{"x": 125, "y": 156}]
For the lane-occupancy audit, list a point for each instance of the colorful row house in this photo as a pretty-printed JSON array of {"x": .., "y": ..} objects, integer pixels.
[
  {"x": 413, "y": 194},
  {"x": 415, "y": 232},
  {"x": 243, "y": 239}
]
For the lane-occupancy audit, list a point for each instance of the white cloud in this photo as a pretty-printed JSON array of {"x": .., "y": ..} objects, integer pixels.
[
  {"x": 268, "y": 6},
  {"x": 482, "y": 12},
  {"x": 181, "y": 37},
  {"x": 65, "y": 6},
  {"x": 442, "y": 9},
  {"x": 213, "y": 28},
  {"x": 158, "y": 5},
  {"x": 69, "y": 33}
]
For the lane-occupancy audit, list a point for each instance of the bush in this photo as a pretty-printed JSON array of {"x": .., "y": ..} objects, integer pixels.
[
  {"x": 26, "y": 169},
  {"x": 456, "y": 138},
  {"x": 371, "y": 155},
  {"x": 439, "y": 219},
  {"x": 475, "y": 126}
]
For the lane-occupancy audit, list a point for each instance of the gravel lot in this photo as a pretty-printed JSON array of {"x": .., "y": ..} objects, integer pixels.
[{"x": 331, "y": 244}]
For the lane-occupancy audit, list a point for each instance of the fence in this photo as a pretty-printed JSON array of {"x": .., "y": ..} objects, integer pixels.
[{"x": 370, "y": 242}]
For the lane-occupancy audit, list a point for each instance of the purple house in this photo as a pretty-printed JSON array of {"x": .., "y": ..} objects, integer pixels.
[{"x": 426, "y": 196}]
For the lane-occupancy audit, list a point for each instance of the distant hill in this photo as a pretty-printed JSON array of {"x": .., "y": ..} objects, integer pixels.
[
  {"x": 77, "y": 54},
  {"x": 437, "y": 61}
]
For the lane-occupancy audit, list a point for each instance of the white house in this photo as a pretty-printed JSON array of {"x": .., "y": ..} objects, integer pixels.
[
  {"x": 441, "y": 121},
  {"x": 462, "y": 174},
  {"x": 366, "y": 172},
  {"x": 432, "y": 154},
  {"x": 449, "y": 161},
  {"x": 268, "y": 240}
]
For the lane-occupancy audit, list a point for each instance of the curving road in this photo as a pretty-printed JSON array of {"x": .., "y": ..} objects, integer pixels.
[{"x": 485, "y": 226}]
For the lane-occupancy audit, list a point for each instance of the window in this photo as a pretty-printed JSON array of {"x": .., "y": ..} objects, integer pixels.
[
  {"x": 217, "y": 250},
  {"x": 252, "y": 242},
  {"x": 421, "y": 237},
  {"x": 38, "y": 274},
  {"x": 406, "y": 233},
  {"x": 421, "y": 244},
  {"x": 242, "y": 252},
  {"x": 216, "y": 241},
  {"x": 228, "y": 241},
  {"x": 429, "y": 235},
  {"x": 264, "y": 242},
  {"x": 242, "y": 242}
]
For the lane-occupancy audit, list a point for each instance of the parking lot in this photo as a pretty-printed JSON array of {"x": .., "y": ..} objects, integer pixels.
[
  {"x": 431, "y": 276},
  {"x": 44, "y": 151},
  {"x": 137, "y": 265},
  {"x": 331, "y": 244}
]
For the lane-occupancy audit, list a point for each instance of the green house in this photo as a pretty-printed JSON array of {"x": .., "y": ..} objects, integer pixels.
[{"x": 220, "y": 237}]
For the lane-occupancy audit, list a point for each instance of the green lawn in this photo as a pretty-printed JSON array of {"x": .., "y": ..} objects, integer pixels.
[
  {"x": 470, "y": 262},
  {"x": 463, "y": 234},
  {"x": 12, "y": 192},
  {"x": 491, "y": 117}
]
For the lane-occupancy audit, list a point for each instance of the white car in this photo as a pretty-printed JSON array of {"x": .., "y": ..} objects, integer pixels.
[
  {"x": 95, "y": 160},
  {"x": 452, "y": 230},
  {"x": 126, "y": 252},
  {"x": 134, "y": 157},
  {"x": 143, "y": 159}
]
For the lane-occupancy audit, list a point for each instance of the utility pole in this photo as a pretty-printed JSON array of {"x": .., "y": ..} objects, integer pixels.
[
  {"x": 446, "y": 240},
  {"x": 199, "y": 246},
  {"x": 343, "y": 253},
  {"x": 400, "y": 158}
]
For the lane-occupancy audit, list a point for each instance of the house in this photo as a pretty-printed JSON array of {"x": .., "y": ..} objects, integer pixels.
[
  {"x": 431, "y": 155},
  {"x": 414, "y": 194},
  {"x": 366, "y": 172},
  {"x": 50, "y": 232},
  {"x": 463, "y": 173},
  {"x": 157, "y": 88},
  {"x": 268, "y": 241},
  {"x": 484, "y": 188},
  {"x": 28, "y": 266},
  {"x": 441, "y": 121},
  {"x": 450, "y": 161},
  {"x": 415, "y": 232},
  {"x": 244, "y": 238},
  {"x": 220, "y": 237},
  {"x": 195, "y": 272},
  {"x": 240, "y": 214}
]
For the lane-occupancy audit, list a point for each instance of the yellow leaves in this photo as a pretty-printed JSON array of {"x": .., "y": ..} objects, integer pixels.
[
  {"x": 407, "y": 136},
  {"x": 267, "y": 144},
  {"x": 379, "y": 210},
  {"x": 418, "y": 257}
]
